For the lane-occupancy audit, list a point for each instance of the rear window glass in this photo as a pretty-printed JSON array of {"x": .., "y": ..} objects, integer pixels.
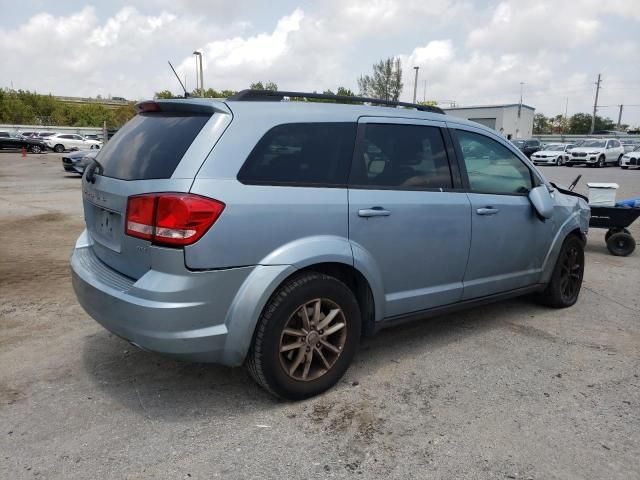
[
  {"x": 314, "y": 154},
  {"x": 150, "y": 145}
]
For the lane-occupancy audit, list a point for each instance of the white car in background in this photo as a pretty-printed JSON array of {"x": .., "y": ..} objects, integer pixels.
[
  {"x": 631, "y": 159},
  {"x": 597, "y": 152},
  {"x": 70, "y": 141},
  {"x": 552, "y": 154}
]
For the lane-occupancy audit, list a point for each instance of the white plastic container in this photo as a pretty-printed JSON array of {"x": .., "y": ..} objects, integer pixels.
[{"x": 602, "y": 194}]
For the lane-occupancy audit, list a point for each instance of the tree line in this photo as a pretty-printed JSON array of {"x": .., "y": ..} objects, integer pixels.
[
  {"x": 29, "y": 108},
  {"x": 578, "y": 124}
]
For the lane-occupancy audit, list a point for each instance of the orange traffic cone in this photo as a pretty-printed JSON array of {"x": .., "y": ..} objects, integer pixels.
[{"x": 24, "y": 152}]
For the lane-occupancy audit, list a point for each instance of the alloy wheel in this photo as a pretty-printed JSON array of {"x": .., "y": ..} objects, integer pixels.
[
  {"x": 313, "y": 339},
  {"x": 571, "y": 273}
]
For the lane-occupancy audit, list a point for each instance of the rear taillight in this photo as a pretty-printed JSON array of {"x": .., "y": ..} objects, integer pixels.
[{"x": 174, "y": 219}]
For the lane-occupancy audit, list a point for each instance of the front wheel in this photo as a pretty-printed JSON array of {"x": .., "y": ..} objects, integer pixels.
[
  {"x": 35, "y": 149},
  {"x": 306, "y": 337},
  {"x": 624, "y": 167},
  {"x": 601, "y": 162},
  {"x": 564, "y": 287}
]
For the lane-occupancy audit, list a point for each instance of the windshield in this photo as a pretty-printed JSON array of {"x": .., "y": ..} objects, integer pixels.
[
  {"x": 554, "y": 146},
  {"x": 594, "y": 143}
]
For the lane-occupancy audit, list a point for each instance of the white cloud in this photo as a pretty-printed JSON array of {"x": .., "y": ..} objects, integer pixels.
[{"x": 466, "y": 51}]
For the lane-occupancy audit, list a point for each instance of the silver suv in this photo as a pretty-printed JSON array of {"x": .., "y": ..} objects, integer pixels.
[{"x": 276, "y": 233}]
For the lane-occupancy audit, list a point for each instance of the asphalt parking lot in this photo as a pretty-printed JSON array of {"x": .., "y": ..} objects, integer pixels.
[{"x": 510, "y": 390}]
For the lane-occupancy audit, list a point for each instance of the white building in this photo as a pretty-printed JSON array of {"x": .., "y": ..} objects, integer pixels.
[{"x": 505, "y": 117}]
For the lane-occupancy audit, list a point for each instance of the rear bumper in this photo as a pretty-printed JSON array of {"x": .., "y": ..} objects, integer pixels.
[{"x": 184, "y": 315}]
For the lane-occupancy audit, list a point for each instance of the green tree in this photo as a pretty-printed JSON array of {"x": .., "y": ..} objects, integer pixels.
[
  {"x": 386, "y": 81},
  {"x": 580, "y": 124},
  {"x": 266, "y": 86},
  {"x": 540, "y": 123},
  {"x": 165, "y": 94},
  {"x": 345, "y": 92}
]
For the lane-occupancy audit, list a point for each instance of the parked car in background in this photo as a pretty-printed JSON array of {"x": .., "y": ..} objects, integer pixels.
[
  {"x": 197, "y": 244},
  {"x": 46, "y": 134},
  {"x": 60, "y": 142},
  {"x": 528, "y": 147},
  {"x": 597, "y": 152},
  {"x": 631, "y": 159},
  {"x": 552, "y": 154},
  {"x": 92, "y": 136},
  {"x": 18, "y": 142},
  {"x": 629, "y": 145},
  {"x": 5, "y": 134},
  {"x": 27, "y": 134},
  {"x": 77, "y": 161}
]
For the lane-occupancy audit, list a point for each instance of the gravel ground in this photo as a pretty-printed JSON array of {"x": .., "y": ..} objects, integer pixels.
[{"x": 511, "y": 390}]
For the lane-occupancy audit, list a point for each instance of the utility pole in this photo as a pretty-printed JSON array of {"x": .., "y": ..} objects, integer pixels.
[
  {"x": 566, "y": 109},
  {"x": 595, "y": 106},
  {"x": 199, "y": 73},
  {"x": 620, "y": 116},
  {"x": 197, "y": 90},
  {"x": 424, "y": 95},
  {"x": 415, "y": 84}
]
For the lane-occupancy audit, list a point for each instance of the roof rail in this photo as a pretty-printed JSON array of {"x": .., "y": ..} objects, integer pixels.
[{"x": 273, "y": 96}]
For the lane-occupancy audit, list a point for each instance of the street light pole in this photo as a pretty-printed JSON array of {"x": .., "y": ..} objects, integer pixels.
[
  {"x": 199, "y": 72},
  {"x": 415, "y": 84}
]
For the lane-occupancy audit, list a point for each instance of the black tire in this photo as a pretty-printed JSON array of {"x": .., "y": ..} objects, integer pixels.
[
  {"x": 563, "y": 289},
  {"x": 558, "y": 161},
  {"x": 620, "y": 160},
  {"x": 569, "y": 164},
  {"x": 623, "y": 167},
  {"x": 602, "y": 162},
  {"x": 611, "y": 231},
  {"x": 58, "y": 148},
  {"x": 264, "y": 360},
  {"x": 35, "y": 149},
  {"x": 621, "y": 244}
]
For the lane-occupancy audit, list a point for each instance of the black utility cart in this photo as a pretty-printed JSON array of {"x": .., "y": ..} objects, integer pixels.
[{"x": 619, "y": 240}]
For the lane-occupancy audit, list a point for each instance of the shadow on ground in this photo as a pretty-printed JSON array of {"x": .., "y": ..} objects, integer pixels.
[{"x": 167, "y": 390}]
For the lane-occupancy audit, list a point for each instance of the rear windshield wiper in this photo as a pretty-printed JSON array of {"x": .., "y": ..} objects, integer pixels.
[{"x": 94, "y": 169}]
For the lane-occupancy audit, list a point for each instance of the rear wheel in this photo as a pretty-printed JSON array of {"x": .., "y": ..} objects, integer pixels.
[
  {"x": 35, "y": 149},
  {"x": 612, "y": 231},
  {"x": 564, "y": 287},
  {"x": 306, "y": 337},
  {"x": 58, "y": 148},
  {"x": 621, "y": 244}
]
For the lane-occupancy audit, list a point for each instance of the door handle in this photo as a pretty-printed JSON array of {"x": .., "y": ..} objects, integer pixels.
[
  {"x": 373, "y": 212},
  {"x": 487, "y": 211}
]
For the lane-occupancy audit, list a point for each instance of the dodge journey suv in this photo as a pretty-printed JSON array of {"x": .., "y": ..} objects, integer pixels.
[{"x": 275, "y": 233}]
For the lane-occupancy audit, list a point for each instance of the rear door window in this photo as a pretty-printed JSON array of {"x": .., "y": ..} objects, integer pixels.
[
  {"x": 150, "y": 145},
  {"x": 302, "y": 154},
  {"x": 401, "y": 156}
]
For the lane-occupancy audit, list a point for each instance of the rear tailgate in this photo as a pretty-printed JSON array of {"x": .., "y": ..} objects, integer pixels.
[{"x": 159, "y": 150}]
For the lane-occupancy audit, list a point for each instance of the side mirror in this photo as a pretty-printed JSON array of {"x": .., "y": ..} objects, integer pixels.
[{"x": 541, "y": 200}]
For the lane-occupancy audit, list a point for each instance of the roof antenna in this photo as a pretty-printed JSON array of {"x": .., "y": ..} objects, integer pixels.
[{"x": 186, "y": 95}]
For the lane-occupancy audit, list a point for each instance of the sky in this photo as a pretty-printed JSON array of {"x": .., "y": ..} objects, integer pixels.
[{"x": 470, "y": 52}]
